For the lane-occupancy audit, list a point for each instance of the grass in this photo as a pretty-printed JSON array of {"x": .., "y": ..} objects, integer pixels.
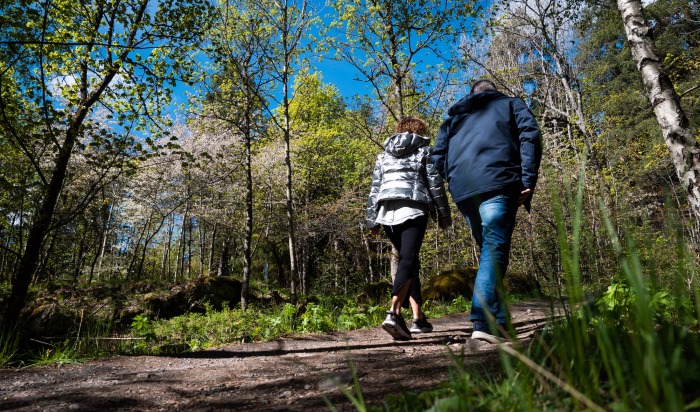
[
  {"x": 8, "y": 348},
  {"x": 635, "y": 347}
]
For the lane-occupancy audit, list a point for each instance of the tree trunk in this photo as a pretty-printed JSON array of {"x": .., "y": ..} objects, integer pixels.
[
  {"x": 139, "y": 272},
  {"x": 211, "y": 249},
  {"x": 290, "y": 204},
  {"x": 365, "y": 241},
  {"x": 248, "y": 237},
  {"x": 165, "y": 267},
  {"x": 223, "y": 258},
  {"x": 104, "y": 240},
  {"x": 82, "y": 253},
  {"x": 287, "y": 152},
  {"x": 189, "y": 250},
  {"x": 202, "y": 235},
  {"x": 303, "y": 276},
  {"x": 137, "y": 249},
  {"x": 44, "y": 260},
  {"x": 336, "y": 265},
  {"x": 39, "y": 229},
  {"x": 394, "y": 263},
  {"x": 6, "y": 255},
  {"x": 181, "y": 245},
  {"x": 684, "y": 149}
]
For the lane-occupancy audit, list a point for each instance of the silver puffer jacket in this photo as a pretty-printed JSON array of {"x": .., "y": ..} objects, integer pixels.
[{"x": 404, "y": 171}]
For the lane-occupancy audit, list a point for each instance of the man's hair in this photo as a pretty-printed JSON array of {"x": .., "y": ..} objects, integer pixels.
[
  {"x": 412, "y": 125},
  {"x": 482, "y": 85}
]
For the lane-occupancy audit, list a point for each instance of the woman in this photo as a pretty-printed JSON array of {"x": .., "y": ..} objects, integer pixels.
[{"x": 406, "y": 188}]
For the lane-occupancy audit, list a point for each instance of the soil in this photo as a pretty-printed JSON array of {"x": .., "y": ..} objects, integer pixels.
[{"x": 293, "y": 373}]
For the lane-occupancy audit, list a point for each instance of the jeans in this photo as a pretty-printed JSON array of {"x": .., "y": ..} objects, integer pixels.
[
  {"x": 407, "y": 238},
  {"x": 491, "y": 217}
]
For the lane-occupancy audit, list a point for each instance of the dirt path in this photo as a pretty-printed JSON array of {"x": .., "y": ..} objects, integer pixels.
[{"x": 286, "y": 374}]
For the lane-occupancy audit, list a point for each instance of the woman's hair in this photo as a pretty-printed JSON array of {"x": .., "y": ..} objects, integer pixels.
[{"x": 412, "y": 125}]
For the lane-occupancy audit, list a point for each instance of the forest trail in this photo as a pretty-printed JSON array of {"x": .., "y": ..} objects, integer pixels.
[{"x": 293, "y": 373}]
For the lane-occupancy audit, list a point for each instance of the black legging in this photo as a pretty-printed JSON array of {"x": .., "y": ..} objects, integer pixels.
[{"x": 407, "y": 238}]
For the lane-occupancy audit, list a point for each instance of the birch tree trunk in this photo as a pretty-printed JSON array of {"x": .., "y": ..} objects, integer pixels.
[
  {"x": 685, "y": 151},
  {"x": 248, "y": 237},
  {"x": 105, "y": 233},
  {"x": 211, "y": 249},
  {"x": 365, "y": 241},
  {"x": 202, "y": 236},
  {"x": 189, "y": 249},
  {"x": 291, "y": 33}
]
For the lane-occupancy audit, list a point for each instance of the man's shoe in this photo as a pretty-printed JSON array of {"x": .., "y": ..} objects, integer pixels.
[
  {"x": 483, "y": 332},
  {"x": 396, "y": 326},
  {"x": 421, "y": 325}
]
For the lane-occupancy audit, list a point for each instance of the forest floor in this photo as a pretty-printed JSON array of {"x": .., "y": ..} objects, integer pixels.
[{"x": 292, "y": 373}]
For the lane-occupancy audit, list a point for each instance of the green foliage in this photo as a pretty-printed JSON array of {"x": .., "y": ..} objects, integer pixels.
[
  {"x": 619, "y": 301},
  {"x": 8, "y": 348},
  {"x": 196, "y": 331},
  {"x": 143, "y": 327},
  {"x": 350, "y": 318},
  {"x": 60, "y": 353},
  {"x": 457, "y": 305}
]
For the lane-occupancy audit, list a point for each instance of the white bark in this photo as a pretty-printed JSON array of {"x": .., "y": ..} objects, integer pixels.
[{"x": 684, "y": 149}]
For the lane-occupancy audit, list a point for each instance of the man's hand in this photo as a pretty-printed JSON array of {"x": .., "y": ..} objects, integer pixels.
[
  {"x": 444, "y": 222},
  {"x": 524, "y": 194},
  {"x": 374, "y": 231}
]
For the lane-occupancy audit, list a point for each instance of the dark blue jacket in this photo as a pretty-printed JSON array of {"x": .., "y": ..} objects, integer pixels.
[{"x": 489, "y": 142}]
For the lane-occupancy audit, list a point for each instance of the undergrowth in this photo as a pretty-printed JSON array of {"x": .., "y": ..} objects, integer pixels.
[
  {"x": 635, "y": 347},
  {"x": 196, "y": 331}
]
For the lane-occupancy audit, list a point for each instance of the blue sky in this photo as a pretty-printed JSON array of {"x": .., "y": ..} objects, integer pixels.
[{"x": 340, "y": 74}]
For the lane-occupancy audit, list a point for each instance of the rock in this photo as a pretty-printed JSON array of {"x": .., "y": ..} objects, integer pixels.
[
  {"x": 215, "y": 290},
  {"x": 460, "y": 281},
  {"x": 475, "y": 345},
  {"x": 339, "y": 379},
  {"x": 142, "y": 376},
  {"x": 271, "y": 299},
  {"x": 46, "y": 317},
  {"x": 169, "y": 305},
  {"x": 451, "y": 283},
  {"x": 126, "y": 315},
  {"x": 518, "y": 282},
  {"x": 374, "y": 293},
  {"x": 211, "y": 300}
]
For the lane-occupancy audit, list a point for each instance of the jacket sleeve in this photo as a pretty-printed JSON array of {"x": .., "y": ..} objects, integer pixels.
[
  {"x": 371, "y": 211},
  {"x": 436, "y": 187},
  {"x": 530, "y": 143},
  {"x": 439, "y": 154}
]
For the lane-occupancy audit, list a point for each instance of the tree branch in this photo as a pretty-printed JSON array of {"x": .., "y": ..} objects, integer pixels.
[
  {"x": 692, "y": 89},
  {"x": 7, "y": 249}
]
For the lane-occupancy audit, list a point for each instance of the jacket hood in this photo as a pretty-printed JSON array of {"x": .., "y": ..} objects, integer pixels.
[
  {"x": 472, "y": 102},
  {"x": 402, "y": 144}
]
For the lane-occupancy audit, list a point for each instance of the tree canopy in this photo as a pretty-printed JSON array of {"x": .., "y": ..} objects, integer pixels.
[{"x": 264, "y": 175}]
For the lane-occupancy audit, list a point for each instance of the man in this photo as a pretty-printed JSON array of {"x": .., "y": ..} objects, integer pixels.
[{"x": 489, "y": 151}]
